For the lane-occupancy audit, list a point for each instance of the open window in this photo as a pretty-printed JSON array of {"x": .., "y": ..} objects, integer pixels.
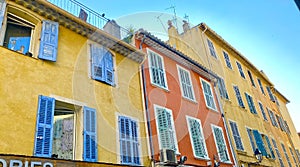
[{"x": 23, "y": 32}]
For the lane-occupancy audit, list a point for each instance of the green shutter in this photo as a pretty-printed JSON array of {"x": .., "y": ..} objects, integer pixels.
[{"x": 44, "y": 126}]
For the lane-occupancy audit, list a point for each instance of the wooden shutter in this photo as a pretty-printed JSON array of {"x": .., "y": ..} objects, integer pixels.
[
  {"x": 270, "y": 94},
  {"x": 238, "y": 96},
  {"x": 270, "y": 147},
  {"x": 49, "y": 40},
  {"x": 197, "y": 138},
  {"x": 97, "y": 55},
  {"x": 236, "y": 136},
  {"x": 129, "y": 150},
  {"x": 2, "y": 11},
  {"x": 44, "y": 126},
  {"x": 259, "y": 142},
  {"x": 220, "y": 141},
  {"x": 249, "y": 131},
  {"x": 90, "y": 135},
  {"x": 109, "y": 68}
]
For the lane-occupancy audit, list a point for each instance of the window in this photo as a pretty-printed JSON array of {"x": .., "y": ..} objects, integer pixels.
[
  {"x": 208, "y": 94},
  {"x": 276, "y": 100},
  {"x": 56, "y": 126},
  {"x": 260, "y": 85},
  {"x": 238, "y": 96},
  {"x": 211, "y": 48},
  {"x": 227, "y": 60},
  {"x": 251, "y": 78},
  {"x": 236, "y": 136},
  {"x": 281, "y": 123},
  {"x": 19, "y": 33},
  {"x": 129, "y": 144},
  {"x": 240, "y": 70},
  {"x": 286, "y": 155},
  {"x": 270, "y": 94},
  {"x": 102, "y": 68},
  {"x": 272, "y": 118},
  {"x": 268, "y": 143},
  {"x": 298, "y": 154},
  {"x": 259, "y": 142},
  {"x": 250, "y": 135},
  {"x": 278, "y": 153},
  {"x": 220, "y": 143},
  {"x": 262, "y": 111},
  {"x": 157, "y": 70},
  {"x": 222, "y": 88},
  {"x": 293, "y": 155},
  {"x": 250, "y": 104},
  {"x": 186, "y": 83},
  {"x": 197, "y": 138},
  {"x": 166, "y": 129}
]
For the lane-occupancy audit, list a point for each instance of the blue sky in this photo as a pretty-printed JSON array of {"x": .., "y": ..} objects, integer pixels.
[{"x": 267, "y": 32}]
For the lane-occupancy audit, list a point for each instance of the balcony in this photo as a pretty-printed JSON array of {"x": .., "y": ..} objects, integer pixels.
[{"x": 95, "y": 19}]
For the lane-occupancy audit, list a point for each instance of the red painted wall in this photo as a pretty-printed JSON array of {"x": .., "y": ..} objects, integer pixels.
[{"x": 173, "y": 100}]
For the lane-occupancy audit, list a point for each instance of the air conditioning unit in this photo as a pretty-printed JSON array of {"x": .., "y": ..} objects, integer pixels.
[{"x": 168, "y": 156}]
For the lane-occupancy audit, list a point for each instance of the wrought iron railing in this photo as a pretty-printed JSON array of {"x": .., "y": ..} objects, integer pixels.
[{"x": 90, "y": 16}]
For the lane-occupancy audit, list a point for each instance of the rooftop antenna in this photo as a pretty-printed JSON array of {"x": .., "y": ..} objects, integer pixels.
[
  {"x": 158, "y": 18},
  {"x": 174, "y": 17}
]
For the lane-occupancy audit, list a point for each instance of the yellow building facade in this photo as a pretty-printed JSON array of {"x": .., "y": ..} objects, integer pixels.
[
  {"x": 69, "y": 91},
  {"x": 256, "y": 113}
]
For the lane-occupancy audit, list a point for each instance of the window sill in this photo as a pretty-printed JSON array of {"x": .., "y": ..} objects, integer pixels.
[
  {"x": 202, "y": 158},
  {"x": 157, "y": 86},
  {"x": 226, "y": 162},
  {"x": 190, "y": 100},
  {"x": 241, "y": 152},
  {"x": 21, "y": 53},
  {"x": 211, "y": 109}
]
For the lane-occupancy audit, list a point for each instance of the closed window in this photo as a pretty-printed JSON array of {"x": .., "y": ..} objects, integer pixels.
[
  {"x": 102, "y": 64},
  {"x": 260, "y": 85},
  {"x": 222, "y": 88},
  {"x": 240, "y": 70},
  {"x": 197, "y": 138},
  {"x": 166, "y": 129},
  {"x": 261, "y": 107},
  {"x": 250, "y": 104},
  {"x": 251, "y": 78},
  {"x": 208, "y": 94},
  {"x": 251, "y": 138},
  {"x": 227, "y": 60},
  {"x": 157, "y": 70},
  {"x": 236, "y": 136},
  {"x": 270, "y": 94},
  {"x": 129, "y": 144},
  {"x": 238, "y": 96},
  {"x": 286, "y": 155},
  {"x": 57, "y": 123},
  {"x": 220, "y": 144},
  {"x": 19, "y": 32},
  {"x": 270, "y": 148},
  {"x": 186, "y": 83},
  {"x": 272, "y": 118},
  {"x": 293, "y": 155},
  {"x": 211, "y": 48},
  {"x": 278, "y": 153}
]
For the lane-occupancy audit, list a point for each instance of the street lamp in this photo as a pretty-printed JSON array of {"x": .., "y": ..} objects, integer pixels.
[{"x": 258, "y": 155}]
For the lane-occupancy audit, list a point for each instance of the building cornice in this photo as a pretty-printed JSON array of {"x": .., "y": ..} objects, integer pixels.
[{"x": 54, "y": 13}]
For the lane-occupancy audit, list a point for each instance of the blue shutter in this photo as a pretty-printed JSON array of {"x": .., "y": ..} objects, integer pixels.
[
  {"x": 259, "y": 142},
  {"x": 238, "y": 96},
  {"x": 270, "y": 94},
  {"x": 249, "y": 131},
  {"x": 129, "y": 150},
  {"x": 90, "y": 135},
  {"x": 49, "y": 40},
  {"x": 109, "y": 68},
  {"x": 97, "y": 55},
  {"x": 44, "y": 126},
  {"x": 270, "y": 147},
  {"x": 2, "y": 11}
]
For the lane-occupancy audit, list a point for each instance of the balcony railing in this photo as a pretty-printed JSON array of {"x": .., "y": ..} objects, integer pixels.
[{"x": 90, "y": 16}]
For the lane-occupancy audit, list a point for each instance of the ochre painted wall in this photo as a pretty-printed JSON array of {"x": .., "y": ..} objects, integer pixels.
[{"x": 23, "y": 78}]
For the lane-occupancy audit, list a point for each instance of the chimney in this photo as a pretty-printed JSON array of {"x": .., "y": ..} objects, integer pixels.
[
  {"x": 113, "y": 28},
  {"x": 186, "y": 26}
]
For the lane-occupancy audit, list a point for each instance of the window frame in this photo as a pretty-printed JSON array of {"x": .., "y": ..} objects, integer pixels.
[
  {"x": 261, "y": 107},
  {"x": 163, "y": 70},
  {"x": 261, "y": 86},
  {"x": 236, "y": 135},
  {"x": 211, "y": 95},
  {"x": 202, "y": 138},
  {"x": 277, "y": 152},
  {"x": 193, "y": 98},
  {"x": 251, "y": 78},
  {"x": 286, "y": 155},
  {"x": 222, "y": 88},
  {"x": 227, "y": 60},
  {"x": 156, "y": 107},
  {"x": 251, "y": 104},
  {"x": 212, "y": 49},
  {"x": 240, "y": 68},
  {"x": 238, "y": 96},
  {"x": 224, "y": 143}
]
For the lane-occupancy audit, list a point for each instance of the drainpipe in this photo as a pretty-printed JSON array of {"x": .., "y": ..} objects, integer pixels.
[
  {"x": 219, "y": 102},
  {"x": 226, "y": 127},
  {"x": 147, "y": 106}
]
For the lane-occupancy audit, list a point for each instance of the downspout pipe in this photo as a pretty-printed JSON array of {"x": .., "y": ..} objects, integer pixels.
[{"x": 147, "y": 105}]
